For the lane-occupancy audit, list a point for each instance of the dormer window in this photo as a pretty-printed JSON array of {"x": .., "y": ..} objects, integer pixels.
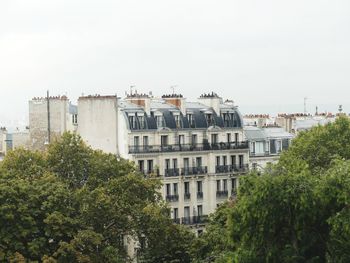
[
  {"x": 191, "y": 120},
  {"x": 209, "y": 118},
  {"x": 159, "y": 121},
  {"x": 178, "y": 121},
  {"x": 226, "y": 119},
  {"x": 141, "y": 120},
  {"x": 132, "y": 122}
]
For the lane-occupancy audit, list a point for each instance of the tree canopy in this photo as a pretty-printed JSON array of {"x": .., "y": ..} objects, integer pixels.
[
  {"x": 74, "y": 204},
  {"x": 297, "y": 211}
]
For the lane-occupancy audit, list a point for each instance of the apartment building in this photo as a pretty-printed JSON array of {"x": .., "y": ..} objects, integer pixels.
[
  {"x": 198, "y": 149},
  {"x": 266, "y": 145}
]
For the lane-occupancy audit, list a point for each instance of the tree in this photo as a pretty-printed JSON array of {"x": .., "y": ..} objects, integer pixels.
[
  {"x": 296, "y": 211},
  {"x": 74, "y": 204}
]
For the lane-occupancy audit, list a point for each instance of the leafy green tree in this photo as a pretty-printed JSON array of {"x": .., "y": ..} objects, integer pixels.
[{"x": 74, "y": 204}]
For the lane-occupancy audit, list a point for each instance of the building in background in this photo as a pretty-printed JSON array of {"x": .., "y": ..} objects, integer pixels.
[
  {"x": 50, "y": 117},
  {"x": 266, "y": 145},
  {"x": 198, "y": 149}
]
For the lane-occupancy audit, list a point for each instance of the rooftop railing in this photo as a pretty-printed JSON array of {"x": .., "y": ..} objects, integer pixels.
[{"x": 188, "y": 147}]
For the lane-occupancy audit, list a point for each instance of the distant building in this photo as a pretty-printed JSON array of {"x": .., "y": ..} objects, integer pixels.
[
  {"x": 266, "y": 145},
  {"x": 50, "y": 118},
  {"x": 198, "y": 149}
]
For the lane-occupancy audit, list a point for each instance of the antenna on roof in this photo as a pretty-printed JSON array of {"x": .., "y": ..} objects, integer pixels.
[
  {"x": 131, "y": 87},
  {"x": 305, "y": 99},
  {"x": 173, "y": 88}
]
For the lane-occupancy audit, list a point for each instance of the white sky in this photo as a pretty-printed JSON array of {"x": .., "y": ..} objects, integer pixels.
[{"x": 262, "y": 52}]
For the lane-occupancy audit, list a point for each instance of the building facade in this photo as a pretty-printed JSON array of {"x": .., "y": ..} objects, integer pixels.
[
  {"x": 266, "y": 145},
  {"x": 49, "y": 118},
  {"x": 198, "y": 149}
]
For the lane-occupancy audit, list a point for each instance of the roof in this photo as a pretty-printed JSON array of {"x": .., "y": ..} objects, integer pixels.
[{"x": 255, "y": 133}]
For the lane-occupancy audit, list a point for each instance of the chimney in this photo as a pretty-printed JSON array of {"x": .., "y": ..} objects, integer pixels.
[
  {"x": 177, "y": 100},
  {"x": 211, "y": 100},
  {"x": 142, "y": 100}
]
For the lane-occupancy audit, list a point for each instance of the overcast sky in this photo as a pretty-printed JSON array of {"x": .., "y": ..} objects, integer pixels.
[{"x": 262, "y": 52}]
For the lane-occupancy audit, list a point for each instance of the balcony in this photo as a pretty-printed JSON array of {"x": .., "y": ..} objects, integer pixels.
[
  {"x": 171, "y": 172},
  {"x": 188, "y": 147},
  {"x": 194, "y": 170},
  {"x": 222, "y": 194},
  {"x": 172, "y": 198},
  {"x": 194, "y": 220},
  {"x": 231, "y": 168},
  {"x": 187, "y": 196},
  {"x": 150, "y": 172},
  {"x": 199, "y": 195}
]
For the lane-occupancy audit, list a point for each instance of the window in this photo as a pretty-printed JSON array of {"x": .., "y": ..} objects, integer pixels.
[
  {"x": 150, "y": 166},
  {"x": 132, "y": 122},
  {"x": 199, "y": 210},
  {"x": 236, "y": 138},
  {"x": 141, "y": 165},
  {"x": 217, "y": 160},
  {"x": 167, "y": 164},
  {"x": 136, "y": 142},
  {"x": 254, "y": 166},
  {"x": 218, "y": 185},
  {"x": 241, "y": 161},
  {"x": 145, "y": 141},
  {"x": 209, "y": 118},
  {"x": 159, "y": 121},
  {"x": 224, "y": 184},
  {"x": 178, "y": 121},
  {"x": 175, "y": 189},
  {"x": 175, "y": 163},
  {"x": 273, "y": 147},
  {"x": 168, "y": 189},
  {"x": 164, "y": 140},
  {"x": 191, "y": 120},
  {"x": 199, "y": 186},
  {"x": 181, "y": 140},
  {"x": 75, "y": 119},
  {"x": 187, "y": 212},
  {"x": 285, "y": 144},
  {"x": 233, "y": 160},
  {"x": 214, "y": 138},
  {"x": 194, "y": 139},
  {"x": 199, "y": 162},
  {"x": 224, "y": 160},
  {"x": 186, "y": 163},
  {"x": 228, "y": 136},
  {"x": 234, "y": 183},
  {"x": 141, "y": 120},
  {"x": 187, "y": 187},
  {"x": 176, "y": 213},
  {"x": 226, "y": 118}
]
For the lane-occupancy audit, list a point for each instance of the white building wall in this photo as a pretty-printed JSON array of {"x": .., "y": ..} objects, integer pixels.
[{"x": 97, "y": 122}]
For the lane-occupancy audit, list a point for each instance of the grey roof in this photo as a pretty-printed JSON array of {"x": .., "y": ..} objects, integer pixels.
[{"x": 254, "y": 133}]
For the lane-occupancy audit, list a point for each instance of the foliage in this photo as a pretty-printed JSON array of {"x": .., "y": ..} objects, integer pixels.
[
  {"x": 74, "y": 204},
  {"x": 296, "y": 211}
]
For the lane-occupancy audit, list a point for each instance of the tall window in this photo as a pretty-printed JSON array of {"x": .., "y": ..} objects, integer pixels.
[
  {"x": 241, "y": 161},
  {"x": 199, "y": 186},
  {"x": 200, "y": 210},
  {"x": 176, "y": 213},
  {"x": 214, "y": 138},
  {"x": 145, "y": 141},
  {"x": 228, "y": 137},
  {"x": 194, "y": 139},
  {"x": 224, "y": 183},
  {"x": 217, "y": 160},
  {"x": 132, "y": 122},
  {"x": 150, "y": 165},
  {"x": 181, "y": 140},
  {"x": 218, "y": 185},
  {"x": 191, "y": 120},
  {"x": 199, "y": 162},
  {"x": 187, "y": 187},
  {"x": 160, "y": 121},
  {"x": 234, "y": 183},
  {"x": 178, "y": 121},
  {"x": 224, "y": 160},
  {"x": 164, "y": 140},
  {"x": 168, "y": 189},
  {"x": 136, "y": 142},
  {"x": 141, "y": 165},
  {"x": 167, "y": 164},
  {"x": 233, "y": 160},
  {"x": 141, "y": 121},
  {"x": 176, "y": 192}
]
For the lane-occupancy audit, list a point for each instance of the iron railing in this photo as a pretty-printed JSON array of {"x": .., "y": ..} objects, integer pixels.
[{"x": 189, "y": 147}]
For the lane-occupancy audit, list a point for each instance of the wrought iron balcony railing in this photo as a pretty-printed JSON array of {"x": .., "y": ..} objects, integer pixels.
[
  {"x": 172, "y": 198},
  {"x": 222, "y": 194},
  {"x": 194, "y": 170},
  {"x": 232, "y": 168},
  {"x": 188, "y": 147}
]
